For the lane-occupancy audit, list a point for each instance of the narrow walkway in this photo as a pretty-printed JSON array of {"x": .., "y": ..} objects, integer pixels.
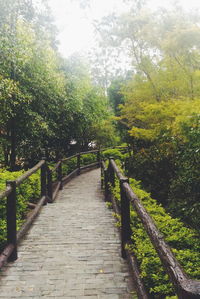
[{"x": 72, "y": 250}]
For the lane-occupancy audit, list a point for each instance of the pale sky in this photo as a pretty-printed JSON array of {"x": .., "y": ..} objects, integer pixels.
[{"x": 76, "y": 33}]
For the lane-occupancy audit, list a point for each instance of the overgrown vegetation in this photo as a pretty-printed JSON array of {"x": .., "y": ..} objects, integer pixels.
[
  {"x": 112, "y": 153},
  {"x": 29, "y": 191},
  {"x": 158, "y": 105},
  {"x": 183, "y": 241}
]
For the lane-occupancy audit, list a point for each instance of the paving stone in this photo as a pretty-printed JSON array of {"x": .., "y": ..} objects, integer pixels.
[{"x": 72, "y": 250}]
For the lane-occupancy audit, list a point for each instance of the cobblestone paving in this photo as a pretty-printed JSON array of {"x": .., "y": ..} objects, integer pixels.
[{"x": 71, "y": 251}]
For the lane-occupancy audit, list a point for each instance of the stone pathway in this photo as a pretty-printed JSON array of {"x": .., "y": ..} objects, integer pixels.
[{"x": 71, "y": 251}]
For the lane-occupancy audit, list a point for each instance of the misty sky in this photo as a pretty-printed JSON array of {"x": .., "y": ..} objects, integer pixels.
[{"x": 76, "y": 32}]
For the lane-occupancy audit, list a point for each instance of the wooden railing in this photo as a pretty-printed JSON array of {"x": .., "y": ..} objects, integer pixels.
[
  {"x": 51, "y": 181},
  {"x": 185, "y": 287}
]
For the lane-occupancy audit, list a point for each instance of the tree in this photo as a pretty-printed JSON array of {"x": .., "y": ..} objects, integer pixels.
[
  {"x": 160, "y": 112},
  {"x": 46, "y": 101},
  {"x": 10, "y": 14}
]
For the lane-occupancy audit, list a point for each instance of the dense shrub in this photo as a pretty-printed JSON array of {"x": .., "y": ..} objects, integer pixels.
[
  {"x": 27, "y": 191},
  {"x": 70, "y": 165},
  {"x": 184, "y": 191},
  {"x": 170, "y": 172},
  {"x": 154, "y": 166},
  {"x": 183, "y": 241},
  {"x": 169, "y": 165},
  {"x": 88, "y": 159},
  {"x": 114, "y": 153}
]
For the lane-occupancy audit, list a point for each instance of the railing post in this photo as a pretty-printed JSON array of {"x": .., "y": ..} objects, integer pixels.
[
  {"x": 125, "y": 218},
  {"x": 43, "y": 180},
  {"x": 11, "y": 219},
  {"x": 79, "y": 163},
  {"x": 49, "y": 186},
  {"x": 60, "y": 175},
  {"x": 111, "y": 173},
  {"x": 106, "y": 190},
  {"x": 102, "y": 175}
]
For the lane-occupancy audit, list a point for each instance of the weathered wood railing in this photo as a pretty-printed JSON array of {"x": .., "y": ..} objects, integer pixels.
[
  {"x": 185, "y": 287},
  {"x": 49, "y": 190}
]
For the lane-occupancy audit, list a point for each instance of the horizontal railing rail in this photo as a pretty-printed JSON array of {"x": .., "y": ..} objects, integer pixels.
[
  {"x": 49, "y": 190},
  {"x": 69, "y": 158},
  {"x": 185, "y": 287},
  {"x": 28, "y": 173},
  {"x": 6, "y": 192},
  {"x": 90, "y": 152},
  {"x": 55, "y": 168}
]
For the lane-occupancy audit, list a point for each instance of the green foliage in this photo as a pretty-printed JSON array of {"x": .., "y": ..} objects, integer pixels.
[
  {"x": 184, "y": 190},
  {"x": 113, "y": 153},
  {"x": 109, "y": 205},
  {"x": 69, "y": 166},
  {"x": 154, "y": 166},
  {"x": 169, "y": 166},
  {"x": 158, "y": 107},
  {"x": 88, "y": 159},
  {"x": 183, "y": 241},
  {"x": 162, "y": 120},
  {"x": 90, "y": 112},
  {"x": 46, "y": 102},
  {"x": 28, "y": 191},
  {"x": 116, "y": 100}
]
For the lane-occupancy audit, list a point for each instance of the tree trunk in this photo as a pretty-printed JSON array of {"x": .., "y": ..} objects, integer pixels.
[{"x": 5, "y": 153}]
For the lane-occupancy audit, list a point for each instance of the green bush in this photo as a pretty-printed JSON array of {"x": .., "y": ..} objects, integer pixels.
[
  {"x": 169, "y": 169},
  {"x": 88, "y": 159},
  {"x": 184, "y": 191},
  {"x": 183, "y": 241},
  {"x": 70, "y": 165},
  {"x": 154, "y": 166},
  {"x": 114, "y": 153},
  {"x": 27, "y": 191}
]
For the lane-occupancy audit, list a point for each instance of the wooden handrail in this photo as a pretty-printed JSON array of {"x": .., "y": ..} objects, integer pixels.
[
  {"x": 6, "y": 254},
  {"x": 185, "y": 287},
  {"x": 6, "y": 192},
  {"x": 118, "y": 173},
  {"x": 55, "y": 167},
  {"x": 69, "y": 158},
  {"x": 28, "y": 173},
  {"x": 81, "y": 153}
]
